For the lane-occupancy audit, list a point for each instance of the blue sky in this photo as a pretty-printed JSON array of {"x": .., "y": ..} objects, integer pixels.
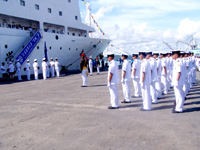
[{"x": 155, "y": 21}]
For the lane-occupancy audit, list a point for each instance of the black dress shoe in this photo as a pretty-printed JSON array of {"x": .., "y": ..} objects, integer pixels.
[
  {"x": 83, "y": 86},
  {"x": 125, "y": 102},
  {"x": 113, "y": 107},
  {"x": 142, "y": 109},
  {"x": 154, "y": 103},
  {"x": 174, "y": 111}
]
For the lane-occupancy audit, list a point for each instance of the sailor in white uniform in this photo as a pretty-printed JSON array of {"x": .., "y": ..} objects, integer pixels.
[
  {"x": 136, "y": 75},
  {"x": 126, "y": 78},
  {"x": 178, "y": 80},
  {"x": 19, "y": 66},
  {"x": 36, "y": 69},
  {"x": 44, "y": 69},
  {"x": 91, "y": 66},
  {"x": 153, "y": 67},
  {"x": 182, "y": 54},
  {"x": 168, "y": 71},
  {"x": 48, "y": 69},
  {"x": 28, "y": 70},
  {"x": 57, "y": 67},
  {"x": 52, "y": 64},
  {"x": 113, "y": 81},
  {"x": 158, "y": 80},
  {"x": 193, "y": 68},
  {"x": 145, "y": 80},
  {"x": 163, "y": 74},
  {"x": 190, "y": 71}
]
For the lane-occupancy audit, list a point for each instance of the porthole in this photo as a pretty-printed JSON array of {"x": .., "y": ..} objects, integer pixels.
[
  {"x": 69, "y": 49},
  {"x": 57, "y": 37},
  {"x": 76, "y": 49},
  {"x": 38, "y": 47},
  {"x": 60, "y": 48},
  {"x": 50, "y": 47},
  {"x": 6, "y": 46}
]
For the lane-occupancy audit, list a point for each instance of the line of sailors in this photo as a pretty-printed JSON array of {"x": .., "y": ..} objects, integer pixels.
[
  {"x": 153, "y": 76},
  {"x": 47, "y": 69}
]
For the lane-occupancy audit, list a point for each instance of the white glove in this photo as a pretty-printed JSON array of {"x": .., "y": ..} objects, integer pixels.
[
  {"x": 176, "y": 83},
  {"x": 142, "y": 85},
  {"x": 108, "y": 85},
  {"x": 122, "y": 81}
]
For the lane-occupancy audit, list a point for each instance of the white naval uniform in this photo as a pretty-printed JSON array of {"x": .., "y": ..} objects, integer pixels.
[
  {"x": 126, "y": 67},
  {"x": 164, "y": 76},
  {"x": 153, "y": 67},
  {"x": 52, "y": 64},
  {"x": 168, "y": 72},
  {"x": 158, "y": 81},
  {"x": 44, "y": 70},
  {"x": 198, "y": 64},
  {"x": 28, "y": 71},
  {"x": 171, "y": 70},
  {"x": 91, "y": 66},
  {"x": 193, "y": 70},
  {"x": 178, "y": 85},
  {"x": 136, "y": 78},
  {"x": 186, "y": 84},
  {"x": 184, "y": 76},
  {"x": 48, "y": 71},
  {"x": 190, "y": 72},
  {"x": 113, "y": 85},
  {"x": 18, "y": 65},
  {"x": 145, "y": 86},
  {"x": 57, "y": 68},
  {"x": 35, "y": 69}
]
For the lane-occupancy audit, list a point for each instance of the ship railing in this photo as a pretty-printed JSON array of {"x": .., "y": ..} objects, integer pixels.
[
  {"x": 94, "y": 47},
  {"x": 32, "y": 33}
]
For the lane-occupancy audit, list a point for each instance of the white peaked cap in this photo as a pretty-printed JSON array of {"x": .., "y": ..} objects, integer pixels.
[
  {"x": 110, "y": 53},
  {"x": 35, "y": 60},
  {"x": 125, "y": 53},
  {"x": 27, "y": 60},
  {"x": 44, "y": 59}
]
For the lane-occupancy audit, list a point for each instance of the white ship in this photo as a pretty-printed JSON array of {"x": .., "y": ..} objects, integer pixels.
[{"x": 25, "y": 25}]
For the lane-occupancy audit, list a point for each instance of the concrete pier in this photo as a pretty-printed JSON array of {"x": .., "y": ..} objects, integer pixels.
[{"x": 57, "y": 114}]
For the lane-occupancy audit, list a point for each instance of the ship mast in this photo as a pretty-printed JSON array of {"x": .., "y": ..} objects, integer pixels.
[{"x": 88, "y": 20}]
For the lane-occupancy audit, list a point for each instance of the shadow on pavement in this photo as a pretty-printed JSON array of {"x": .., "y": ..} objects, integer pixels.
[{"x": 191, "y": 110}]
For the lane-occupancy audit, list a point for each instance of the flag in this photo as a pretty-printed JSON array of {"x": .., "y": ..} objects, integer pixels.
[{"x": 45, "y": 51}]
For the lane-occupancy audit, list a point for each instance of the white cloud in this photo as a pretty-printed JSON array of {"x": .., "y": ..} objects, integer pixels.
[{"x": 102, "y": 11}]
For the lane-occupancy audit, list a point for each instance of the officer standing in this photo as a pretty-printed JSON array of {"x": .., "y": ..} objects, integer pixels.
[
  {"x": 98, "y": 66},
  {"x": 19, "y": 66},
  {"x": 83, "y": 70},
  {"x": 52, "y": 64},
  {"x": 145, "y": 80},
  {"x": 158, "y": 80},
  {"x": 126, "y": 78},
  {"x": 164, "y": 73},
  {"x": 57, "y": 67},
  {"x": 11, "y": 70},
  {"x": 48, "y": 68},
  {"x": 178, "y": 80},
  {"x": 91, "y": 66},
  {"x": 153, "y": 67},
  {"x": 44, "y": 69},
  {"x": 113, "y": 81},
  {"x": 193, "y": 68},
  {"x": 136, "y": 75},
  {"x": 35, "y": 68},
  {"x": 28, "y": 70}
]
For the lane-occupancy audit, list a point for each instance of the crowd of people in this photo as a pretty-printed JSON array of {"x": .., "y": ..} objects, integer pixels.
[
  {"x": 153, "y": 76},
  {"x": 49, "y": 69}
]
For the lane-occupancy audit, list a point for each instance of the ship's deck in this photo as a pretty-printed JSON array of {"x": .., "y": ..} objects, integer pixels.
[{"x": 57, "y": 114}]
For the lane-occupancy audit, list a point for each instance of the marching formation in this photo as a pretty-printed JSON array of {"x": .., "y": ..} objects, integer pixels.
[
  {"x": 153, "y": 75},
  {"x": 48, "y": 69}
]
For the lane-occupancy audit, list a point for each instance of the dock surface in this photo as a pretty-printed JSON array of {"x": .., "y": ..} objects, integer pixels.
[{"x": 57, "y": 114}]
